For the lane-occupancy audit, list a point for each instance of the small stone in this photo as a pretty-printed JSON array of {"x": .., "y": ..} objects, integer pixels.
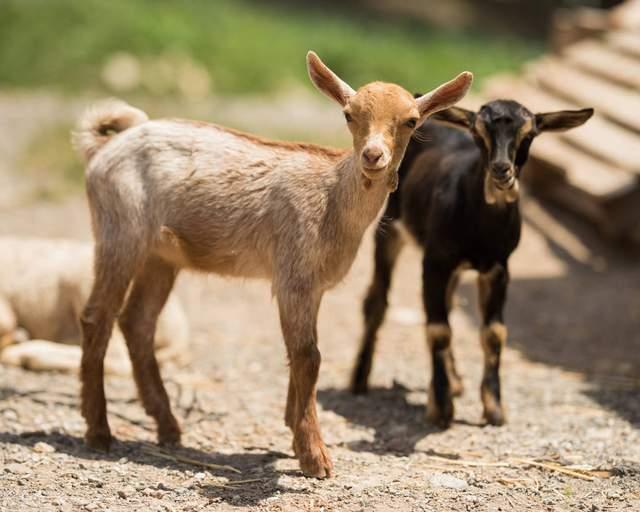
[
  {"x": 123, "y": 460},
  {"x": 613, "y": 495},
  {"x": 17, "y": 469},
  {"x": 95, "y": 481},
  {"x": 10, "y": 415},
  {"x": 447, "y": 481},
  {"x": 126, "y": 492},
  {"x": 42, "y": 447}
]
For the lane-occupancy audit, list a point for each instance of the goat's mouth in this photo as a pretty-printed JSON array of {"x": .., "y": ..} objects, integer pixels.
[
  {"x": 504, "y": 182},
  {"x": 376, "y": 173}
]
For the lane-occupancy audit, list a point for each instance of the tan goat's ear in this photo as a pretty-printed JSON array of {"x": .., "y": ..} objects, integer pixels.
[
  {"x": 327, "y": 81},
  {"x": 445, "y": 96}
]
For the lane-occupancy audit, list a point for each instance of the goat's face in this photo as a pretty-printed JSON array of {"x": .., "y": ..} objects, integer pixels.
[
  {"x": 382, "y": 117},
  {"x": 504, "y": 131}
]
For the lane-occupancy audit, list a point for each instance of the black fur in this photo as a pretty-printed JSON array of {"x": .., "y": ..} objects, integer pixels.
[{"x": 441, "y": 202}]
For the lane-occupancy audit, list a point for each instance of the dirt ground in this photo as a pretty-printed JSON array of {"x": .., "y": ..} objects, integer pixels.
[{"x": 571, "y": 377}]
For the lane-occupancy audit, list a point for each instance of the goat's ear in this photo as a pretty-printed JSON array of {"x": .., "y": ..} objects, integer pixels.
[
  {"x": 562, "y": 120},
  {"x": 445, "y": 96},
  {"x": 457, "y": 117},
  {"x": 327, "y": 81}
]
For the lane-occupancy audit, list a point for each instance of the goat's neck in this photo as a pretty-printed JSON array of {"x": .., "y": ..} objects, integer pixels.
[{"x": 360, "y": 197}]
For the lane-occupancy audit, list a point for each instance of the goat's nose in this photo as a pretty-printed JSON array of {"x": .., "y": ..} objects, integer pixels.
[
  {"x": 372, "y": 156},
  {"x": 501, "y": 168}
]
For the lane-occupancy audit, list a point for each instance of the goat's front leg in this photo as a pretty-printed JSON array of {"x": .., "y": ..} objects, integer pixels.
[
  {"x": 388, "y": 245},
  {"x": 492, "y": 288},
  {"x": 436, "y": 277},
  {"x": 298, "y": 317}
]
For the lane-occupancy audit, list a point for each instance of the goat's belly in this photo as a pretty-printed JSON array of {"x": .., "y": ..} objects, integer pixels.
[{"x": 225, "y": 262}]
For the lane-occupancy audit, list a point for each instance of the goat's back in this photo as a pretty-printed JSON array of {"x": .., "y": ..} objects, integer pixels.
[{"x": 210, "y": 197}]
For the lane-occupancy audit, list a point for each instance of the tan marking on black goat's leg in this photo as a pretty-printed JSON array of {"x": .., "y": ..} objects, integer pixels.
[
  {"x": 440, "y": 404},
  {"x": 388, "y": 242},
  {"x": 455, "y": 380},
  {"x": 436, "y": 277},
  {"x": 493, "y": 339},
  {"x": 492, "y": 290}
]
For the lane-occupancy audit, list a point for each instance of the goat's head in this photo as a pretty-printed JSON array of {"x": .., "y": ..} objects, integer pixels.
[
  {"x": 382, "y": 117},
  {"x": 504, "y": 130}
]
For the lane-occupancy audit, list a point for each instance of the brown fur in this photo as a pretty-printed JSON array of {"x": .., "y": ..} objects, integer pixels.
[{"x": 167, "y": 195}]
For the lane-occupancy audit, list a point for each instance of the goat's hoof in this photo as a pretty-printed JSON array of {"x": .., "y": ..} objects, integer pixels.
[
  {"x": 494, "y": 416},
  {"x": 100, "y": 441},
  {"x": 441, "y": 417},
  {"x": 316, "y": 463},
  {"x": 359, "y": 387},
  {"x": 169, "y": 437}
]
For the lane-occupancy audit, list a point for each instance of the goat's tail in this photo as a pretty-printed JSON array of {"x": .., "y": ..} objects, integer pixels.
[{"x": 102, "y": 121}]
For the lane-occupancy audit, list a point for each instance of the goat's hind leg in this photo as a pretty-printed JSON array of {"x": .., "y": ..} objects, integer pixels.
[
  {"x": 388, "y": 242},
  {"x": 492, "y": 287},
  {"x": 113, "y": 272},
  {"x": 138, "y": 321}
]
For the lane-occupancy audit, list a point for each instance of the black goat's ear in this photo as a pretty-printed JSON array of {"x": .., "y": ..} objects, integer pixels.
[
  {"x": 562, "y": 120},
  {"x": 457, "y": 117}
]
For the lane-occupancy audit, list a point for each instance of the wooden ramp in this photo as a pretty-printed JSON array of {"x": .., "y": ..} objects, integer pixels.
[{"x": 593, "y": 170}]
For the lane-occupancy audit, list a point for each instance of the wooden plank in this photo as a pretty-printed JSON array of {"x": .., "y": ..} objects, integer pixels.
[
  {"x": 619, "y": 104},
  {"x": 604, "y": 139},
  {"x": 596, "y": 178},
  {"x": 626, "y": 15},
  {"x": 597, "y": 58},
  {"x": 627, "y": 42}
]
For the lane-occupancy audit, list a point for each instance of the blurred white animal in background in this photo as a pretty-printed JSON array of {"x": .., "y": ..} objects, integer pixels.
[{"x": 44, "y": 284}]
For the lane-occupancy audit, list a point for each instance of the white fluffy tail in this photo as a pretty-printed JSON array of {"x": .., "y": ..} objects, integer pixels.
[{"x": 102, "y": 121}]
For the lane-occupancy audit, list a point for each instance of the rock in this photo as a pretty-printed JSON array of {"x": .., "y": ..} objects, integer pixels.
[
  {"x": 17, "y": 469},
  {"x": 42, "y": 447},
  {"x": 10, "y": 415},
  {"x": 126, "y": 492},
  {"x": 447, "y": 481},
  {"x": 95, "y": 481}
]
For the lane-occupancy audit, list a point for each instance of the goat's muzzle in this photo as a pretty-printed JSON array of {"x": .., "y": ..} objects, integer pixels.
[{"x": 503, "y": 175}]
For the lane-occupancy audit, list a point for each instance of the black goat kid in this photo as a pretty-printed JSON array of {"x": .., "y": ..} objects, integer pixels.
[{"x": 458, "y": 199}]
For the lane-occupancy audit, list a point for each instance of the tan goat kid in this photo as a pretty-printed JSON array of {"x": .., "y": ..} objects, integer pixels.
[{"x": 172, "y": 194}]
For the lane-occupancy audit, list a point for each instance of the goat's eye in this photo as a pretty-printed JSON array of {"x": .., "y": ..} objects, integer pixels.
[
  {"x": 411, "y": 123},
  {"x": 348, "y": 117}
]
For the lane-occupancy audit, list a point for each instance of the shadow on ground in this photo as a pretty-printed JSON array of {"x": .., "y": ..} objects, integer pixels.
[
  {"x": 587, "y": 320},
  {"x": 258, "y": 475},
  {"x": 397, "y": 422}
]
